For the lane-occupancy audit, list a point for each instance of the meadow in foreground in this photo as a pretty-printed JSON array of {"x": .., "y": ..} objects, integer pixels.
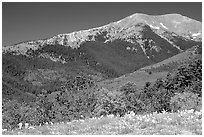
[{"x": 188, "y": 122}]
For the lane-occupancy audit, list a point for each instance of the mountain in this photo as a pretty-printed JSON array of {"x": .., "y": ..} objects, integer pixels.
[
  {"x": 100, "y": 53},
  {"x": 125, "y": 29}
]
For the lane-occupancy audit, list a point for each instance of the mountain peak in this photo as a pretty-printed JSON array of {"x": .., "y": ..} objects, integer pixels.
[{"x": 125, "y": 28}]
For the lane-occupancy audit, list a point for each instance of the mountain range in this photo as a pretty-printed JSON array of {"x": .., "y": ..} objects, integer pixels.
[{"x": 108, "y": 52}]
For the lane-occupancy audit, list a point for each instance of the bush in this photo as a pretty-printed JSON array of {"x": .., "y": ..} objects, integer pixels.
[
  {"x": 185, "y": 101},
  {"x": 184, "y": 82},
  {"x": 67, "y": 105},
  {"x": 129, "y": 87},
  {"x": 131, "y": 98},
  {"x": 185, "y": 76},
  {"x": 109, "y": 103},
  {"x": 14, "y": 112},
  {"x": 10, "y": 114},
  {"x": 80, "y": 83}
]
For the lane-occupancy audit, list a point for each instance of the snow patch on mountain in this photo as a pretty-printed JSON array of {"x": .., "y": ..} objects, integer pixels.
[
  {"x": 52, "y": 57},
  {"x": 171, "y": 43},
  {"x": 154, "y": 27},
  {"x": 163, "y": 26},
  {"x": 21, "y": 48}
]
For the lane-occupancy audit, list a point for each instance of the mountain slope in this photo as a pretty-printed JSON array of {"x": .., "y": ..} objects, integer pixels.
[
  {"x": 171, "y": 63},
  {"x": 105, "y": 52},
  {"x": 153, "y": 72}
]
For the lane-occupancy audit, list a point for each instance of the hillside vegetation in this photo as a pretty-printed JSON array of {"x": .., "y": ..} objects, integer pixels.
[
  {"x": 81, "y": 98},
  {"x": 153, "y": 72},
  {"x": 169, "y": 64}
]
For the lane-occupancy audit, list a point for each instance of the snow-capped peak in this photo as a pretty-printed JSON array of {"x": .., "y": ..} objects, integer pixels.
[{"x": 125, "y": 29}]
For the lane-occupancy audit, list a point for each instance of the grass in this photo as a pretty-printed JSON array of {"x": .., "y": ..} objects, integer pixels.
[
  {"x": 181, "y": 123},
  {"x": 173, "y": 62},
  {"x": 137, "y": 77},
  {"x": 158, "y": 70}
]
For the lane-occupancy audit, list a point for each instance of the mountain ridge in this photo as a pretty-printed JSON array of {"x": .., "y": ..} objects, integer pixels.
[{"x": 91, "y": 31}]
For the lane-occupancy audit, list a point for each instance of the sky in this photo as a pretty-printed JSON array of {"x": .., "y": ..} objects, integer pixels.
[{"x": 31, "y": 21}]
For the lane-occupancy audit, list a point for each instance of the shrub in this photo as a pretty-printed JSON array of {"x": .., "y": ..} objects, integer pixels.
[
  {"x": 184, "y": 82},
  {"x": 185, "y": 101},
  {"x": 129, "y": 87},
  {"x": 10, "y": 114},
  {"x": 80, "y": 83},
  {"x": 147, "y": 84},
  {"x": 109, "y": 103},
  {"x": 131, "y": 97},
  {"x": 14, "y": 112},
  {"x": 68, "y": 104},
  {"x": 185, "y": 76}
]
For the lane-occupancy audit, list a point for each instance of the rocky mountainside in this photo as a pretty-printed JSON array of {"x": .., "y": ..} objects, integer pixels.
[
  {"x": 104, "y": 52},
  {"x": 128, "y": 29}
]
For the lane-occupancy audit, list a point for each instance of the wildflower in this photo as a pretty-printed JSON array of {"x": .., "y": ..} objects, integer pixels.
[
  {"x": 81, "y": 116},
  {"x": 145, "y": 116},
  {"x": 153, "y": 121},
  {"x": 20, "y": 125},
  {"x": 139, "y": 118},
  {"x": 190, "y": 117},
  {"x": 46, "y": 123},
  {"x": 132, "y": 113},
  {"x": 163, "y": 111},
  {"x": 147, "y": 119},
  {"x": 51, "y": 123},
  {"x": 31, "y": 127},
  {"x": 4, "y": 130},
  {"x": 169, "y": 119},
  {"x": 181, "y": 114},
  {"x": 26, "y": 125},
  {"x": 154, "y": 113},
  {"x": 190, "y": 111},
  {"x": 117, "y": 115},
  {"x": 110, "y": 116},
  {"x": 198, "y": 113}
]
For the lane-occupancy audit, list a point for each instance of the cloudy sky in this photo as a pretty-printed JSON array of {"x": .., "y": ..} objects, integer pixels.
[{"x": 31, "y": 21}]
